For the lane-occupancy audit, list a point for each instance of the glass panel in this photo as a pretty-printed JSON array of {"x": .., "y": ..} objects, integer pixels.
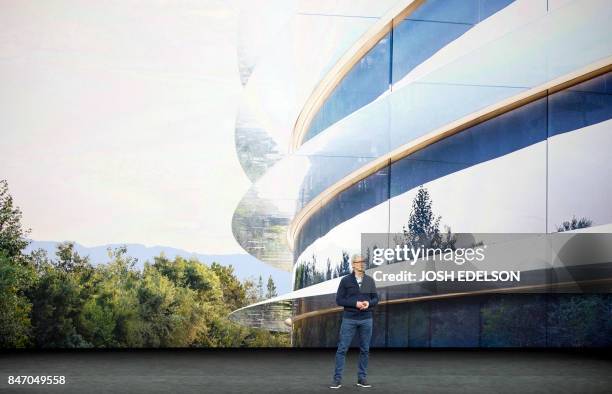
[
  {"x": 486, "y": 142},
  {"x": 527, "y": 56},
  {"x": 579, "y": 165},
  {"x": 415, "y": 41},
  {"x": 284, "y": 77},
  {"x": 398, "y": 325},
  {"x": 513, "y": 320},
  {"x": 310, "y": 232},
  {"x": 581, "y": 320},
  {"x": 364, "y": 133},
  {"x": 560, "y": 42},
  {"x": 489, "y": 140},
  {"x": 419, "y": 108},
  {"x": 454, "y": 11},
  {"x": 324, "y": 171},
  {"x": 380, "y": 327},
  {"x": 367, "y": 80},
  {"x": 256, "y": 150},
  {"x": 432, "y": 26},
  {"x": 470, "y": 169},
  {"x": 582, "y": 105},
  {"x": 429, "y": 28},
  {"x": 358, "y": 198},
  {"x": 489, "y": 7},
  {"x": 455, "y": 323}
]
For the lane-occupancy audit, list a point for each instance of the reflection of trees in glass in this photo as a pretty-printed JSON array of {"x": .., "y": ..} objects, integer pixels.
[
  {"x": 424, "y": 227},
  {"x": 251, "y": 291},
  {"x": 514, "y": 321},
  {"x": 261, "y": 230},
  {"x": 270, "y": 288},
  {"x": 345, "y": 265},
  {"x": 328, "y": 270},
  {"x": 580, "y": 320},
  {"x": 260, "y": 290},
  {"x": 257, "y": 292},
  {"x": 307, "y": 273},
  {"x": 256, "y": 151},
  {"x": 570, "y": 321},
  {"x": 454, "y": 325},
  {"x": 574, "y": 224},
  {"x": 367, "y": 257}
]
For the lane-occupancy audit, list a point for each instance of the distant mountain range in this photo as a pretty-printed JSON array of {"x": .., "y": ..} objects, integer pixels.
[{"x": 245, "y": 265}]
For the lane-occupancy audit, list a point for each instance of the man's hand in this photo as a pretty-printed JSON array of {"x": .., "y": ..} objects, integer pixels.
[
  {"x": 359, "y": 304},
  {"x": 365, "y": 304}
]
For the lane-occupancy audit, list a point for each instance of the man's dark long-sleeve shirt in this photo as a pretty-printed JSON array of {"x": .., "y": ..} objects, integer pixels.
[{"x": 349, "y": 293}]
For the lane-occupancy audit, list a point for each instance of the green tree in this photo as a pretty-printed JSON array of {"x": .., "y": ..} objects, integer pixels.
[
  {"x": 171, "y": 315},
  {"x": 423, "y": 225},
  {"x": 110, "y": 316},
  {"x": 250, "y": 291},
  {"x": 345, "y": 265},
  {"x": 57, "y": 304},
  {"x": 512, "y": 320},
  {"x": 574, "y": 224},
  {"x": 15, "y": 280},
  {"x": 17, "y": 275},
  {"x": 328, "y": 270},
  {"x": 68, "y": 260},
  {"x": 98, "y": 323},
  {"x": 271, "y": 288},
  {"x": 65, "y": 302},
  {"x": 260, "y": 290},
  {"x": 189, "y": 273},
  {"x": 234, "y": 293},
  {"x": 262, "y": 338},
  {"x": 579, "y": 320},
  {"x": 12, "y": 235}
]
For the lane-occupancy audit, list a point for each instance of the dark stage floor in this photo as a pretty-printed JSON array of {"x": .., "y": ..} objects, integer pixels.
[{"x": 295, "y": 370}]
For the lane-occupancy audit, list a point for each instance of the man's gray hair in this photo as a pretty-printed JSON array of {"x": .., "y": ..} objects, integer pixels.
[{"x": 357, "y": 257}]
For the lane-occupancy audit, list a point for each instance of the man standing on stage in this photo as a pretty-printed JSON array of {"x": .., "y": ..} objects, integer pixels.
[{"x": 357, "y": 294}]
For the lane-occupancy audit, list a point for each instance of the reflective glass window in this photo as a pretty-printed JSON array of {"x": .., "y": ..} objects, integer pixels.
[
  {"x": 358, "y": 198},
  {"x": 578, "y": 106},
  {"x": 429, "y": 28},
  {"x": 581, "y": 105},
  {"x": 432, "y": 26},
  {"x": 496, "y": 137},
  {"x": 579, "y": 164},
  {"x": 367, "y": 80}
]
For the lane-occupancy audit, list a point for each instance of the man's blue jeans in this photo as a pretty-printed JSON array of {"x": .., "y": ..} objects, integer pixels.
[{"x": 347, "y": 331}]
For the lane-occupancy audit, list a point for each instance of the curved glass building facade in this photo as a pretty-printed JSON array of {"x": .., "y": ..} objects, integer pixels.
[{"x": 499, "y": 109}]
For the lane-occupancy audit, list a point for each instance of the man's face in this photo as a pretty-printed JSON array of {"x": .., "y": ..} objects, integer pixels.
[{"x": 359, "y": 266}]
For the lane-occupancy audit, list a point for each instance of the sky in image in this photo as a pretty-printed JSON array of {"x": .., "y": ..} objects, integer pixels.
[{"x": 118, "y": 121}]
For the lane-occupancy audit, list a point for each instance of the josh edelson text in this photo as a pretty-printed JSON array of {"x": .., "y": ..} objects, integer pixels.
[{"x": 457, "y": 256}]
